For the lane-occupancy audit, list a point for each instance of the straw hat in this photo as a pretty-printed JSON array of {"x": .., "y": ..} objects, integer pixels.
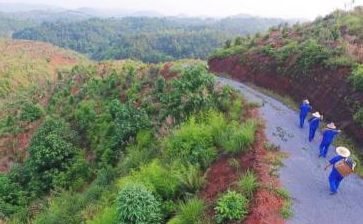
[
  {"x": 316, "y": 114},
  {"x": 306, "y": 101},
  {"x": 342, "y": 151},
  {"x": 331, "y": 126}
]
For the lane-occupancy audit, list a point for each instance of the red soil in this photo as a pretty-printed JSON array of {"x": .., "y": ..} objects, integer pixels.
[
  {"x": 328, "y": 90},
  {"x": 60, "y": 60},
  {"x": 264, "y": 209}
]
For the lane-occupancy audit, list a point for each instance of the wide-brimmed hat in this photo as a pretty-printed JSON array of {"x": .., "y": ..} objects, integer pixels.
[
  {"x": 331, "y": 126},
  {"x": 306, "y": 101},
  {"x": 342, "y": 151},
  {"x": 317, "y": 114}
]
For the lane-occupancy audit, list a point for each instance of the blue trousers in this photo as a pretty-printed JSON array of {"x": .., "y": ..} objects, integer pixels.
[
  {"x": 302, "y": 120},
  {"x": 334, "y": 180},
  {"x": 324, "y": 147},
  {"x": 312, "y": 131}
]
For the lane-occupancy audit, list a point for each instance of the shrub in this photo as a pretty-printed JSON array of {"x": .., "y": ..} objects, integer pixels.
[
  {"x": 31, "y": 112},
  {"x": 193, "y": 143},
  {"x": 232, "y": 206},
  {"x": 107, "y": 216},
  {"x": 248, "y": 184},
  {"x": 156, "y": 178},
  {"x": 238, "y": 138},
  {"x": 311, "y": 53},
  {"x": 190, "y": 212},
  {"x": 286, "y": 211},
  {"x": 12, "y": 196},
  {"x": 190, "y": 178},
  {"x": 137, "y": 205},
  {"x": 226, "y": 52},
  {"x": 356, "y": 78}
]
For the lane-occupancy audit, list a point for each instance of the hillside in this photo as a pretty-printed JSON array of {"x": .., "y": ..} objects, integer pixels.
[
  {"x": 81, "y": 136},
  {"x": 10, "y": 25},
  {"x": 321, "y": 60},
  {"x": 146, "y": 39},
  {"x": 28, "y": 71}
]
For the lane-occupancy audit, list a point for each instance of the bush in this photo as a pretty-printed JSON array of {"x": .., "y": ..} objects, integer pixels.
[
  {"x": 193, "y": 143},
  {"x": 238, "y": 138},
  {"x": 356, "y": 78},
  {"x": 190, "y": 178},
  {"x": 248, "y": 184},
  {"x": 190, "y": 212},
  {"x": 12, "y": 196},
  {"x": 107, "y": 216},
  {"x": 232, "y": 206},
  {"x": 137, "y": 205},
  {"x": 31, "y": 112},
  {"x": 311, "y": 53},
  {"x": 226, "y": 52},
  {"x": 156, "y": 178}
]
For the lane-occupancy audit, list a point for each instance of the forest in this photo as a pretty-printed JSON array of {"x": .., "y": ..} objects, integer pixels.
[{"x": 146, "y": 39}]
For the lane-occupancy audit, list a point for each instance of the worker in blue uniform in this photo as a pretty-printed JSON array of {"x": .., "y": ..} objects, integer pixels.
[
  {"x": 304, "y": 110},
  {"x": 335, "y": 177},
  {"x": 314, "y": 123},
  {"x": 328, "y": 136}
]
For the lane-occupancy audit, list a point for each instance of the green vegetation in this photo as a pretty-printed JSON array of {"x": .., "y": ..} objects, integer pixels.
[
  {"x": 232, "y": 206},
  {"x": 121, "y": 142},
  {"x": 248, "y": 184},
  {"x": 356, "y": 78},
  {"x": 136, "y": 204},
  {"x": 146, "y": 39}
]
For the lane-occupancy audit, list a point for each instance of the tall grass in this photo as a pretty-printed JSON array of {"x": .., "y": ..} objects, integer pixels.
[{"x": 248, "y": 184}]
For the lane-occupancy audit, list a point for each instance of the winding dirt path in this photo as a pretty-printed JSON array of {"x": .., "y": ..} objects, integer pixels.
[{"x": 303, "y": 174}]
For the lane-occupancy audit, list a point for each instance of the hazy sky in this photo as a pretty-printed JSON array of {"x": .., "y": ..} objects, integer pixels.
[{"x": 276, "y": 8}]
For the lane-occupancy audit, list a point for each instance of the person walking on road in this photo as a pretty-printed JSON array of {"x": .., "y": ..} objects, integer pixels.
[
  {"x": 328, "y": 136},
  {"x": 304, "y": 110},
  {"x": 342, "y": 167},
  {"x": 314, "y": 123}
]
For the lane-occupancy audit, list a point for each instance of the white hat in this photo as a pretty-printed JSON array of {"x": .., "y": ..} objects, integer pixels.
[
  {"x": 342, "y": 151},
  {"x": 331, "y": 126},
  {"x": 316, "y": 114},
  {"x": 306, "y": 101}
]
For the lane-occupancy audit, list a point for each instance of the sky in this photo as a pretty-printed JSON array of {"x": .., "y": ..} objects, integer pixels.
[{"x": 308, "y": 9}]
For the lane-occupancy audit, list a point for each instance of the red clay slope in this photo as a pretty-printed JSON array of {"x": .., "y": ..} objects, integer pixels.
[{"x": 327, "y": 91}]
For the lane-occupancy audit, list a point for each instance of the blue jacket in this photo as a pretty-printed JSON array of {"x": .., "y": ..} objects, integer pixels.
[
  {"x": 304, "y": 109},
  {"x": 328, "y": 135},
  {"x": 314, "y": 122}
]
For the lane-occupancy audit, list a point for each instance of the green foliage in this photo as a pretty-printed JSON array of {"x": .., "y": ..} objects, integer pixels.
[
  {"x": 51, "y": 150},
  {"x": 193, "y": 143},
  {"x": 248, "y": 184},
  {"x": 286, "y": 211},
  {"x": 147, "y": 39},
  {"x": 340, "y": 61},
  {"x": 107, "y": 216},
  {"x": 190, "y": 93},
  {"x": 190, "y": 178},
  {"x": 12, "y": 196},
  {"x": 137, "y": 205},
  {"x": 287, "y": 50},
  {"x": 190, "y": 212},
  {"x": 356, "y": 78},
  {"x": 31, "y": 112},
  {"x": 311, "y": 52},
  {"x": 238, "y": 138},
  {"x": 232, "y": 206},
  {"x": 161, "y": 181},
  {"x": 226, "y": 52}
]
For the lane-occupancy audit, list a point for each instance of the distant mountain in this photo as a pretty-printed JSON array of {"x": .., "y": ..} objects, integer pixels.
[{"x": 144, "y": 38}]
